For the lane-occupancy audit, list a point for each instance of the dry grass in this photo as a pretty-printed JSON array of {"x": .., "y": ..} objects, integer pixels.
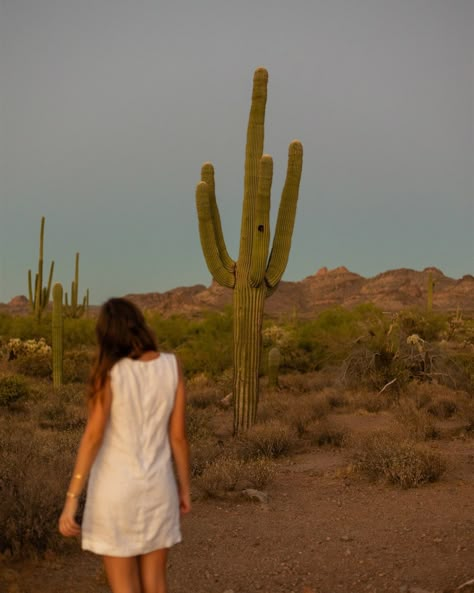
[
  {"x": 271, "y": 439},
  {"x": 325, "y": 433},
  {"x": 400, "y": 461},
  {"x": 229, "y": 473},
  {"x": 418, "y": 424},
  {"x": 369, "y": 401},
  {"x": 34, "y": 473}
]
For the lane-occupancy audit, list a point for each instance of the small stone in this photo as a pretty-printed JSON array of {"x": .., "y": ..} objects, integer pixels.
[{"x": 256, "y": 495}]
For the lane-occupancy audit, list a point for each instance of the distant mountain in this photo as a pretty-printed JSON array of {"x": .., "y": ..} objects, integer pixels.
[{"x": 391, "y": 291}]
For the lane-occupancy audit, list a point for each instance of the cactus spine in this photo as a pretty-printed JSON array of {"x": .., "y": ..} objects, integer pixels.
[
  {"x": 57, "y": 335},
  {"x": 39, "y": 298},
  {"x": 274, "y": 359},
  {"x": 75, "y": 310},
  {"x": 257, "y": 272}
]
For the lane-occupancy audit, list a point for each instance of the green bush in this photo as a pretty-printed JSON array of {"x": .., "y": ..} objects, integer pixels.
[{"x": 12, "y": 388}]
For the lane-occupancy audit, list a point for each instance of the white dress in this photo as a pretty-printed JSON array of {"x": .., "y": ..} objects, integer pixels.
[{"x": 132, "y": 504}]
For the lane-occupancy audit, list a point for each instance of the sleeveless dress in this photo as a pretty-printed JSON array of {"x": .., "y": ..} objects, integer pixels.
[{"x": 132, "y": 504}]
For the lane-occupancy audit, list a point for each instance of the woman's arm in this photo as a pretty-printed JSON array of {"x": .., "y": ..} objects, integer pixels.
[
  {"x": 99, "y": 413},
  {"x": 179, "y": 444}
]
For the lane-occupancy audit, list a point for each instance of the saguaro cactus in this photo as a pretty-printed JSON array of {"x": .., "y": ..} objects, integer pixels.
[
  {"x": 57, "y": 335},
  {"x": 39, "y": 299},
  {"x": 274, "y": 359},
  {"x": 256, "y": 274},
  {"x": 75, "y": 310}
]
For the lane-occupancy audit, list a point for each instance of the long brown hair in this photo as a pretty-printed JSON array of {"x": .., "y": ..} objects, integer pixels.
[{"x": 121, "y": 331}]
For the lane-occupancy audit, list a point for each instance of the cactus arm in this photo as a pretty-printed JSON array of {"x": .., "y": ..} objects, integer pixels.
[
  {"x": 261, "y": 226},
  {"x": 207, "y": 175},
  {"x": 253, "y": 154},
  {"x": 286, "y": 217},
  {"x": 48, "y": 289},
  {"x": 207, "y": 234},
  {"x": 30, "y": 292}
]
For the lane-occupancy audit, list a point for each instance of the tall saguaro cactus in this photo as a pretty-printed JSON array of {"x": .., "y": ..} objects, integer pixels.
[
  {"x": 57, "y": 335},
  {"x": 75, "y": 310},
  {"x": 39, "y": 299},
  {"x": 256, "y": 273}
]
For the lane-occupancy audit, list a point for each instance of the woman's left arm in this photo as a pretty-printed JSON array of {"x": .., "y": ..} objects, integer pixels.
[{"x": 99, "y": 413}]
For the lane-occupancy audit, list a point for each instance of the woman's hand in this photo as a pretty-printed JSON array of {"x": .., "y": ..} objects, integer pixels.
[
  {"x": 67, "y": 522},
  {"x": 184, "y": 502}
]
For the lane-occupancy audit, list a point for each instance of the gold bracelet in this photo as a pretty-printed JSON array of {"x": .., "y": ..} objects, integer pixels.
[{"x": 71, "y": 495}]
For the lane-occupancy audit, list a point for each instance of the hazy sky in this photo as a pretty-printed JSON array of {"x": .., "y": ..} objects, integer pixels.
[{"x": 109, "y": 108}]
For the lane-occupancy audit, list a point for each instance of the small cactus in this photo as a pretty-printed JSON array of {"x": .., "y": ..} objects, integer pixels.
[
  {"x": 274, "y": 360},
  {"x": 57, "y": 335}
]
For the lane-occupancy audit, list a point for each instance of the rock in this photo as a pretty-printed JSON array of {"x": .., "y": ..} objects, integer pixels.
[
  {"x": 226, "y": 401},
  {"x": 256, "y": 495}
]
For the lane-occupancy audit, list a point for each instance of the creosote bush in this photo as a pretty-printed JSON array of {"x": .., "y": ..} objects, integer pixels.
[{"x": 399, "y": 461}]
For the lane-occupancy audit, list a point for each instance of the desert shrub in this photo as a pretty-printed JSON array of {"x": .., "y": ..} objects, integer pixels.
[
  {"x": 370, "y": 401},
  {"x": 428, "y": 326},
  {"x": 417, "y": 423},
  {"x": 77, "y": 365},
  {"x": 271, "y": 439},
  {"x": 198, "y": 424},
  {"x": 12, "y": 388},
  {"x": 58, "y": 415},
  {"x": 220, "y": 476},
  {"x": 272, "y": 404},
  {"x": 442, "y": 408},
  {"x": 203, "y": 453},
  {"x": 258, "y": 472},
  {"x": 202, "y": 398},
  {"x": 227, "y": 472},
  {"x": 304, "y": 409},
  {"x": 34, "y": 473},
  {"x": 324, "y": 432},
  {"x": 34, "y": 365},
  {"x": 400, "y": 461}
]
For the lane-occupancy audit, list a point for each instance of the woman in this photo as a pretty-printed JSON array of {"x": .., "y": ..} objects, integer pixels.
[{"x": 135, "y": 430}]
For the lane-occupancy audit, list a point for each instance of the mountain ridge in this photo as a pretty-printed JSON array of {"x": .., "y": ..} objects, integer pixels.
[{"x": 391, "y": 290}]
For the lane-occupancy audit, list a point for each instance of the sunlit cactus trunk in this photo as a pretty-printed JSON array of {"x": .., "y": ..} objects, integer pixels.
[
  {"x": 257, "y": 272},
  {"x": 248, "y": 317}
]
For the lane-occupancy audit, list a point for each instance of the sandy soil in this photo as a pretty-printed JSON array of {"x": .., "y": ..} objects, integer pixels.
[{"x": 323, "y": 530}]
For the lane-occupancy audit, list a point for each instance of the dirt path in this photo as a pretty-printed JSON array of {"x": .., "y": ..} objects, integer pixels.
[{"x": 322, "y": 531}]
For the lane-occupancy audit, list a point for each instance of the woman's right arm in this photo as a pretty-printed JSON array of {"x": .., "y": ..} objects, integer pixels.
[{"x": 179, "y": 444}]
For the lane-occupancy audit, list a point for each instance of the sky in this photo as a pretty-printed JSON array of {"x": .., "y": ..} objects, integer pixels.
[{"x": 108, "y": 108}]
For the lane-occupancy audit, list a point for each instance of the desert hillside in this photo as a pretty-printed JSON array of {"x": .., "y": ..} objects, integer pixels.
[{"x": 391, "y": 291}]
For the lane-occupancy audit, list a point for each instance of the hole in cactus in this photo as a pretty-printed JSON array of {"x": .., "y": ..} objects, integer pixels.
[{"x": 260, "y": 228}]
